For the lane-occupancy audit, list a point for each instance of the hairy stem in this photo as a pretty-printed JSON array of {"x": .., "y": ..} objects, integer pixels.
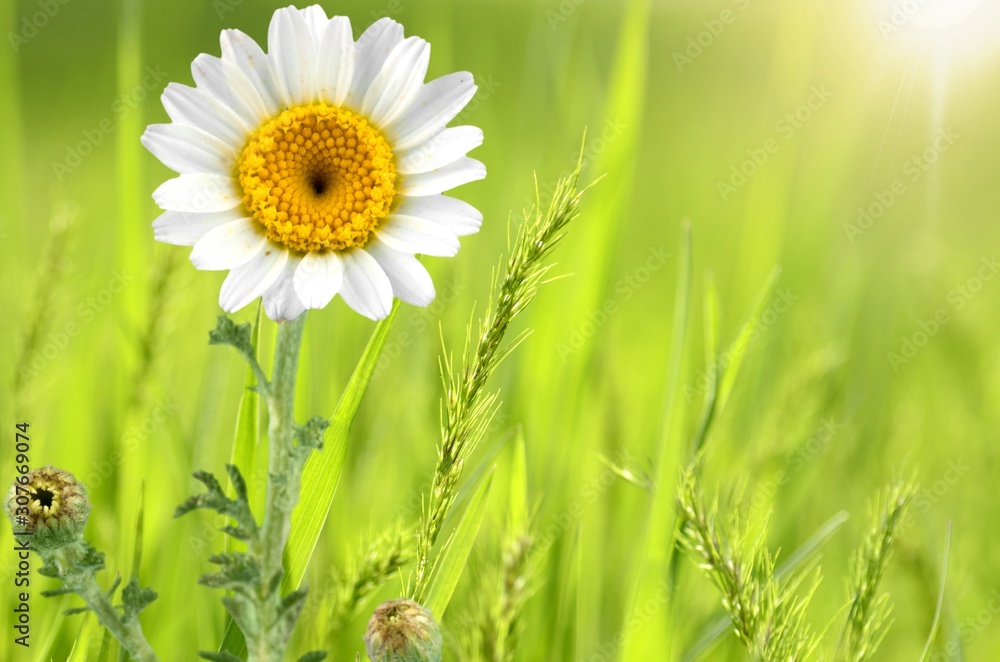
[
  {"x": 283, "y": 481},
  {"x": 81, "y": 579}
]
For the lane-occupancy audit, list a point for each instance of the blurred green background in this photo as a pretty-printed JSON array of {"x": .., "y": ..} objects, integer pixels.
[{"x": 850, "y": 144}]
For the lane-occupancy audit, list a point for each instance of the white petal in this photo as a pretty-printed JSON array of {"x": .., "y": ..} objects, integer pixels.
[
  {"x": 396, "y": 86},
  {"x": 194, "y": 107},
  {"x": 409, "y": 234},
  {"x": 410, "y": 280},
  {"x": 460, "y": 172},
  {"x": 229, "y": 84},
  {"x": 246, "y": 283},
  {"x": 246, "y": 54},
  {"x": 371, "y": 52},
  {"x": 316, "y": 19},
  {"x": 229, "y": 245},
  {"x": 185, "y": 229},
  {"x": 185, "y": 149},
  {"x": 292, "y": 50},
  {"x": 281, "y": 303},
  {"x": 457, "y": 215},
  {"x": 437, "y": 103},
  {"x": 318, "y": 279},
  {"x": 198, "y": 193},
  {"x": 335, "y": 61},
  {"x": 444, "y": 148},
  {"x": 366, "y": 288}
]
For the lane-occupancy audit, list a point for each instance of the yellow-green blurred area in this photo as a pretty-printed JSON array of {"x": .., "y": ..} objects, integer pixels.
[{"x": 853, "y": 143}]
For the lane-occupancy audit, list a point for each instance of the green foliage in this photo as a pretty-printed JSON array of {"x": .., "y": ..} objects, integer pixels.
[
  {"x": 467, "y": 409},
  {"x": 545, "y": 68},
  {"x": 135, "y": 599},
  {"x": 322, "y": 472},
  {"x": 868, "y": 618},
  {"x": 366, "y": 571},
  {"x": 767, "y": 613}
]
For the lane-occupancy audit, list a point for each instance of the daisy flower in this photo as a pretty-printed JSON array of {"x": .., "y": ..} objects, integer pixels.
[{"x": 318, "y": 168}]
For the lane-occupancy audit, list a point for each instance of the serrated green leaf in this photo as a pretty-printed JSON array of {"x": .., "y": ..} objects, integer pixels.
[
  {"x": 228, "y": 332},
  {"x": 322, "y": 475},
  {"x": 311, "y": 434},
  {"x": 454, "y": 553},
  {"x": 219, "y": 657},
  {"x": 136, "y": 598}
]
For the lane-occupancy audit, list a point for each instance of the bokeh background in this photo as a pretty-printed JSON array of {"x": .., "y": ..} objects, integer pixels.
[{"x": 853, "y": 143}]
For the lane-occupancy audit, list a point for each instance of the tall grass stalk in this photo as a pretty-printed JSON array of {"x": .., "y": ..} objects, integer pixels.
[
  {"x": 468, "y": 408},
  {"x": 869, "y": 616},
  {"x": 767, "y": 614}
]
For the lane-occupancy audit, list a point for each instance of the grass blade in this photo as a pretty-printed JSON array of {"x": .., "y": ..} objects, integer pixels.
[
  {"x": 247, "y": 436},
  {"x": 322, "y": 475},
  {"x": 940, "y": 601},
  {"x": 643, "y": 641},
  {"x": 798, "y": 561},
  {"x": 322, "y": 472},
  {"x": 454, "y": 554},
  {"x": 738, "y": 350}
]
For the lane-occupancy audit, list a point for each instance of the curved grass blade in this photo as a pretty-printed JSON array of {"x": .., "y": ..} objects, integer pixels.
[
  {"x": 658, "y": 519},
  {"x": 738, "y": 349},
  {"x": 322, "y": 472},
  {"x": 454, "y": 554},
  {"x": 940, "y": 601},
  {"x": 246, "y": 439}
]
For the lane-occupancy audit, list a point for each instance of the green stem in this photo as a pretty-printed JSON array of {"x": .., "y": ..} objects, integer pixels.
[
  {"x": 284, "y": 476},
  {"x": 83, "y": 582}
]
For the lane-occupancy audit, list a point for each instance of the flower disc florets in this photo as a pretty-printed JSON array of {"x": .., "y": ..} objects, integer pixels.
[
  {"x": 403, "y": 631},
  {"x": 50, "y": 505}
]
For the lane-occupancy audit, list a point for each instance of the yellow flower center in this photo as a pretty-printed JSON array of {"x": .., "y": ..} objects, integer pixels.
[{"x": 318, "y": 177}]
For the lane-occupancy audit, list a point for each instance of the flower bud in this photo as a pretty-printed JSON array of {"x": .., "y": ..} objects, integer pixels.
[
  {"x": 50, "y": 506},
  {"x": 403, "y": 631}
]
